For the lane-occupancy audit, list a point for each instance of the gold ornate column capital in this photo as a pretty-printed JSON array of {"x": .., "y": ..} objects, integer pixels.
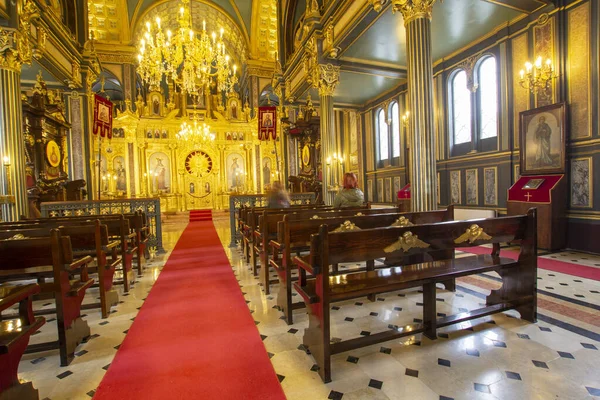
[
  {"x": 15, "y": 49},
  {"x": 326, "y": 78},
  {"x": 413, "y": 9}
]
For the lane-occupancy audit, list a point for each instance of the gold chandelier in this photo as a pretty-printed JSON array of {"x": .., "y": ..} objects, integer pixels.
[
  {"x": 188, "y": 58},
  {"x": 195, "y": 133}
]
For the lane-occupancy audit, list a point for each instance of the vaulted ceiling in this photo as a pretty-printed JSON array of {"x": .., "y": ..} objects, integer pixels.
[{"x": 375, "y": 61}]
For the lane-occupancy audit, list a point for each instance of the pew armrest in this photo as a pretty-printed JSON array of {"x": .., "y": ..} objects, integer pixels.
[
  {"x": 304, "y": 263},
  {"x": 10, "y": 295},
  {"x": 110, "y": 246},
  {"x": 276, "y": 245},
  {"x": 79, "y": 263}
]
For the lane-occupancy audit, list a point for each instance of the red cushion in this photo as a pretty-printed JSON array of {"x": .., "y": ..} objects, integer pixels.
[
  {"x": 540, "y": 195},
  {"x": 404, "y": 193}
]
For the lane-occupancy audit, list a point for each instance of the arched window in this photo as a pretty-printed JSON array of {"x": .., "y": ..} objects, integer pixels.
[
  {"x": 473, "y": 114},
  {"x": 488, "y": 103},
  {"x": 383, "y": 136},
  {"x": 395, "y": 117},
  {"x": 461, "y": 108}
]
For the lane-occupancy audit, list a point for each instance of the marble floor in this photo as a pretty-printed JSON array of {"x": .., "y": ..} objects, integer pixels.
[{"x": 499, "y": 357}]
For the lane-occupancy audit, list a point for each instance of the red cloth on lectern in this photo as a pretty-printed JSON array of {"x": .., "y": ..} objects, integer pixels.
[
  {"x": 539, "y": 195},
  {"x": 404, "y": 193}
]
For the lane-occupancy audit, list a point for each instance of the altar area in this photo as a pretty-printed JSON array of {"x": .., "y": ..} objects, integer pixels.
[{"x": 148, "y": 157}]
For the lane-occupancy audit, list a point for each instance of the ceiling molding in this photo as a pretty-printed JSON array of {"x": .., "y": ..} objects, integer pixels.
[
  {"x": 525, "y": 6},
  {"x": 369, "y": 68}
]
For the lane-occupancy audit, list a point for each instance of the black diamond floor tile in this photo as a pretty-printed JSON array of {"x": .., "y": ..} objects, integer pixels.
[
  {"x": 91, "y": 393},
  {"x": 314, "y": 368},
  {"x": 373, "y": 314},
  {"x": 564, "y": 354},
  {"x": 446, "y": 398},
  {"x": 412, "y": 372},
  {"x": 38, "y": 360},
  {"x": 473, "y": 352},
  {"x": 375, "y": 384},
  {"x": 397, "y": 308},
  {"x": 333, "y": 395},
  {"x": 385, "y": 350},
  {"x": 292, "y": 330},
  {"x": 523, "y": 336},
  {"x": 443, "y": 362},
  {"x": 348, "y": 319},
  {"x": 104, "y": 323},
  {"x": 498, "y": 343},
  {"x": 271, "y": 355},
  {"x": 593, "y": 391},
  {"x": 106, "y": 367},
  {"x": 365, "y": 333},
  {"x": 352, "y": 359},
  {"x": 540, "y": 364},
  {"x": 544, "y": 329},
  {"x": 64, "y": 374},
  {"x": 513, "y": 375},
  {"x": 589, "y": 346},
  {"x": 81, "y": 353},
  {"x": 481, "y": 388}
]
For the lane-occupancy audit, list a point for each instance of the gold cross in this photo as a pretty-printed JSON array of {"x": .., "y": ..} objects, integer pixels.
[{"x": 528, "y": 195}]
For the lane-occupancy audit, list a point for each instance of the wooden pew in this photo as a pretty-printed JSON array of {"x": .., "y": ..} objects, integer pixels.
[
  {"x": 395, "y": 243},
  {"x": 266, "y": 231},
  {"x": 294, "y": 237},
  {"x": 14, "y": 337},
  {"x": 87, "y": 238},
  {"x": 248, "y": 221},
  {"x": 25, "y": 258}
]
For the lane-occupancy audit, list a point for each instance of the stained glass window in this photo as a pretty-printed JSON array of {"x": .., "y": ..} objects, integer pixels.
[
  {"x": 395, "y": 130},
  {"x": 384, "y": 145},
  {"x": 488, "y": 111},
  {"x": 461, "y": 108}
]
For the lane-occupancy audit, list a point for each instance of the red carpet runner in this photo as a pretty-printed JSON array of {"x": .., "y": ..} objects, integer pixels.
[
  {"x": 582, "y": 271},
  {"x": 194, "y": 338}
]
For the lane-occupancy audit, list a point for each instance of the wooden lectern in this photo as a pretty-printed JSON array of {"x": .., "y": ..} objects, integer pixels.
[{"x": 549, "y": 194}]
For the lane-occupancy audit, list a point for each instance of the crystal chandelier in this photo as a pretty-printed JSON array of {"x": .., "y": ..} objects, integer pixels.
[
  {"x": 188, "y": 58},
  {"x": 195, "y": 133},
  {"x": 537, "y": 76}
]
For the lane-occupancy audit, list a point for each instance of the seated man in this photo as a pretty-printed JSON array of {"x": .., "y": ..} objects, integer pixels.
[{"x": 350, "y": 195}]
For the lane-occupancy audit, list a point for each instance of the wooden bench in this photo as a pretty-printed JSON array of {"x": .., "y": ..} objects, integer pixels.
[
  {"x": 248, "y": 221},
  {"x": 266, "y": 230},
  {"x": 24, "y": 258},
  {"x": 14, "y": 337},
  {"x": 87, "y": 238},
  {"x": 394, "y": 244},
  {"x": 294, "y": 237}
]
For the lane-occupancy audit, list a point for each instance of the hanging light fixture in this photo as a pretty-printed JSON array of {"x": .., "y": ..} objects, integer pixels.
[
  {"x": 195, "y": 133},
  {"x": 188, "y": 58}
]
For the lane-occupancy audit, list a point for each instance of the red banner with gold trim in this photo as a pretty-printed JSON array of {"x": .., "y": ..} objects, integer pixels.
[
  {"x": 103, "y": 111},
  {"x": 267, "y": 123}
]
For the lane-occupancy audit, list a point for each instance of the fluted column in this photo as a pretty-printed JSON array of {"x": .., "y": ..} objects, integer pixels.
[
  {"x": 423, "y": 179},
  {"x": 327, "y": 78},
  {"x": 14, "y": 51}
]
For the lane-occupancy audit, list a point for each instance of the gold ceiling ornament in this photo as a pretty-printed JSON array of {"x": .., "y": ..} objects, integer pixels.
[
  {"x": 472, "y": 234},
  {"x": 406, "y": 242},
  {"x": 196, "y": 133},
  {"x": 377, "y": 4},
  {"x": 347, "y": 226},
  {"x": 413, "y": 9},
  {"x": 537, "y": 76},
  {"x": 401, "y": 222},
  {"x": 190, "y": 59},
  {"x": 326, "y": 78}
]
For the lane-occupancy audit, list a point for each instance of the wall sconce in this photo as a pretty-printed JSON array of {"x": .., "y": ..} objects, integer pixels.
[
  {"x": 405, "y": 119},
  {"x": 537, "y": 76}
]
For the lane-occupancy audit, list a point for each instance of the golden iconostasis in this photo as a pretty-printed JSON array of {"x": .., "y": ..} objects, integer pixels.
[{"x": 147, "y": 158}]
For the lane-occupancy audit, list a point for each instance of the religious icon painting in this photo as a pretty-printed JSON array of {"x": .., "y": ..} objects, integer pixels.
[
  {"x": 370, "y": 190},
  {"x": 380, "y": 190},
  {"x": 472, "y": 192},
  {"x": 455, "y": 187},
  {"x": 53, "y": 153},
  {"x": 397, "y": 187},
  {"x": 120, "y": 173},
  {"x": 581, "y": 182},
  {"x": 542, "y": 140},
  {"x": 517, "y": 173},
  {"x": 490, "y": 186},
  {"x": 160, "y": 172},
  {"x": 235, "y": 172}
]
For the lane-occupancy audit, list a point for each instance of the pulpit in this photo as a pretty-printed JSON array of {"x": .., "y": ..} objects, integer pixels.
[
  {"x": 549, "y": 194},
  {"x": 404, "y": 204}
]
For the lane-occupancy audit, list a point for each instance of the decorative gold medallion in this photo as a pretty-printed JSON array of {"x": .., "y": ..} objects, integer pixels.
[
  {"x": 406, "y": 242},
  {"x": 198, "y": 163},
  {"x": 315, "y": 217},
  {"x": 347, "y": 226},
  {"x": 53, "y": 153},
  {"x": 359, "y": 214},
  {"x": 402, "y": 221},
  {"x": 472, "y": 234}
]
